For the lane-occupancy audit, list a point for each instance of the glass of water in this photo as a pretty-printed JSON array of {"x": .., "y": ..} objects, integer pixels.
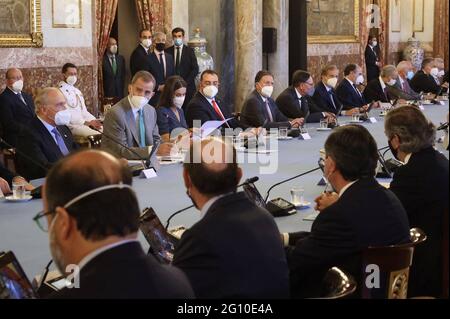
[
  {"x": 323, "y": 123},
  {"x": 19, "y": 189},
  {"x": 297, "y": 194},
  {"x": 283, "y": 133},
  {"x": 356, "y": 118}
]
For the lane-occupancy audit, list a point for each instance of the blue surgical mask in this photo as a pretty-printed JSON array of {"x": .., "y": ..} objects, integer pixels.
[
  {"x": 178, "y": 42},
  {"x": 410, "y": 75},
  {"x": 311, "y": 91}
]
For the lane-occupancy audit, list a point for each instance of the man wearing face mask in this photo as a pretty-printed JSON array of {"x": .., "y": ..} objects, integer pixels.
[
  {"x": 406, "y": 74},
  {"x": 348, "y": 92},
  {"x": 92, "y": 216},
  {"x": 113, "y": 71},
  {"x": 139, "y": 60},
  {"x": 260, "y": 110},
  {"x": 47, "y": 137},
  {"x": 379, "y": 90},
  {"x": 361, "y": 214},
  {"x": 133, "y": 122},
  {"x": 372, "y": 58},
  {"x": 296, "y": 101},
  {"x": 81, "y": 120},
  {"x": 16, "y": 107},
  {"x": 424, "y": 80}
]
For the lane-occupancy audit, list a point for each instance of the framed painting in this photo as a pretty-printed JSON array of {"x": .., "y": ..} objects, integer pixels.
[
  {"x": 67, "y": 14},
  {"x": 334, "y": 21},
  {"x": 20, "y": 23},
  {"x": 396, "y": 16},
  {"x": 418, "y": 15}
]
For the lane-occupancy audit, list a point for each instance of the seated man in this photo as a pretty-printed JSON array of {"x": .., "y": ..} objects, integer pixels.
[
  {"x": 92, "y": 216},
  {"x": 363, "y": 214},
  {"x": 379, "y": 89},
  {"x": 16, "y": 107},
  {"x": 405, "y": 74},
  {"x": 348, "y": 92},
  {"x": 260, "y": 110},
  {"x": 296, "y": 101},
  {"x": 422, "y": 187},
  {"x": 47, "y": 138},
  {"x": 133, "y": 122},
  {"x": 81, "y": 119},
  {"x": 7, "y": 178},
  {"x": 424, "y": 81},
  {"x": 235, "y": 250}
]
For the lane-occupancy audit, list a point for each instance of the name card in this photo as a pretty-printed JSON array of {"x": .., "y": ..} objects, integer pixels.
[
  {"x": 305, "y": 136},
  {"x": 373, "y": 120},
  {"x": 148, "y": 174},
  {"x": 441, "y": 102},
  {"x": 421, "y": 107}
]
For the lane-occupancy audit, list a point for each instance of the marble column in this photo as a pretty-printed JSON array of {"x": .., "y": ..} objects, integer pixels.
[
  {"x": 276, "y": 15},
  {"x": 248, "y": 47}
]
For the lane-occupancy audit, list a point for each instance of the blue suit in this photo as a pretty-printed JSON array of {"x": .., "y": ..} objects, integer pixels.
[
  {"x": 322, "y": 99},
  {"x": 168, "y": 121},
  {"x": 348, "y": 95}
]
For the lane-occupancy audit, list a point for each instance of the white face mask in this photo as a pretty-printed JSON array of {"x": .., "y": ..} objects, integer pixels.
[
  {"x": 267, "y": 91},
  {"x": 147, "y": 43},
  {"x": 374, "y": 43},
  {"x": 441, "y": 73},
  {"x": 332, "y": 83},
  {"x": 71, "y": 80},
  {"x": 17, "y": 86},
  {"x": 434, "y": 72},
  {"x": 138, "y": 102},
  {"x": 210, "y": 91},
  {"x": 392, "y": 82},
  {"x": 360, "y": 80},
  {"x": 114, "y": 49},
  {"x": 178, "y": 101},
  {"x": 62, "y": 118}
]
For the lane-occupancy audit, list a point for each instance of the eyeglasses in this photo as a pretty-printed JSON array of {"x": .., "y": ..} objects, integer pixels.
[{"x": 43, "y": 225}]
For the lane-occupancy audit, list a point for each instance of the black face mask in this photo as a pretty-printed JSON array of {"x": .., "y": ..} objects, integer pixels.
[
  {"x": 393, "y": 151},
  {"x": 160, "y": 46}
]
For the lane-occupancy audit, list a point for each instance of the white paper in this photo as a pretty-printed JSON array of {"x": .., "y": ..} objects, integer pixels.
[
  {"x": 306, "y": 136},
  {"x": 209, "y": 127},
  {"x": 421, "y": 107},
  {"x": 149, "y": 173},
  {"x": 373, "y": 120}
]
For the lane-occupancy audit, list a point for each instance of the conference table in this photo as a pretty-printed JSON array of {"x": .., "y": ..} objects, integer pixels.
[{"x": 166, "y": 194}]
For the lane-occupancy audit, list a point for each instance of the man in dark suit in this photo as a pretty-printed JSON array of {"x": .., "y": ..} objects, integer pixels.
[
  {"x": 423, "y": 81},
  {"x": 47, "y": 137},
  {"x": 93, "y": 220},
  {"x": 113, "y": 71},
  {"x": 348, "y": 92},
  {"x": 234, "y": 251},
  {"x": 205, "y": 106},
  {"x": 325, "y": 96},
  {"x": 402, "y": 89},
  {"x": 372, "y": 58},
  {"x": 362, "y": 213},
  {"x": 260, "y": 110},
  {"x": 296, "y": 101},
  {"x": 16, "y": 107},
  {"x": 422, "y": 185},
  {"x": 379, "y": 89},
  {"x": 139, "y": 60},
  {"x": 186, "y": 64}
]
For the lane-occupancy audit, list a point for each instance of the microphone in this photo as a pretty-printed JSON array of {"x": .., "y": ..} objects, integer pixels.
[
  {"x": 443, "y": 127},
  {"x": 248, "y": 181}
]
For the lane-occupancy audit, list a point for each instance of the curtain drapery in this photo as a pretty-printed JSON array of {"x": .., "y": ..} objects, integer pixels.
[
  {"x": 151, "y": 15},
  {"x": 440, "y": 41}
]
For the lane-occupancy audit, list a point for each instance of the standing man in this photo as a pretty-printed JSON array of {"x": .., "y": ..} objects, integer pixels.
[
  {"x": 139, "y": 60},
  {"x": 113, "y": 71},
  {"x": 186, "y": 64}
]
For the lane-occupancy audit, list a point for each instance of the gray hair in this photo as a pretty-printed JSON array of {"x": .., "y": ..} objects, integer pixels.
[
  {"x": 43, "y": 97},
  {"x": 147, "y": 77},
  {"x": 413, "y": 129},
  {"x": 159, "y": 34},
  {"x": 402, "y": 66},
  {"x": 388, "y": 70}
]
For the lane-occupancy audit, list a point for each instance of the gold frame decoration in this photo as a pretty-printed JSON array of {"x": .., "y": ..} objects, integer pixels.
[
  {"x": 351, "y": 38},
  {"x": 396, "y": 16},
  {"x": 67, "y": 15},
  {"x": 33, "y": 38},
  {"x": 415, "y": 12}
]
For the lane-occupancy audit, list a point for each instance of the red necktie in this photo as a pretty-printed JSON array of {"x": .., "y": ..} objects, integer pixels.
[{"x": 217, "y": 109}]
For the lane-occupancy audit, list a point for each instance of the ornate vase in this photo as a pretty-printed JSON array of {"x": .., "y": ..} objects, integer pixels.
[
  {"x": 204, "y": 59},
  {"x": 414, "y": 52}
]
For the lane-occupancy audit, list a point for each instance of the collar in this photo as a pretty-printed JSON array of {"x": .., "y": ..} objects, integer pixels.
[
  {"x": 133, "y": 109},
  {"x": 371, "y": 47},
  {"x": 100, "y": 251},
  {"x": 207, "y": 98},
  {"x": 407, "y": 159},
  {"x": 383, "y": 85},
  {"x": 209, "y": 204},
  {"x": 48, "y": 126},
  {"x": 110, "y": 55},
  {"x": 350, "y": 81},
  {"x": 263, "y": 97},
  {"x": 298, "y": 93},
  {"x": 159, "y": 52},
  {"x": 146, "y": 50},
  {"x": 343, "y": 190},
  {"x": 401, "y": 79},
  {"x": 64, "y": 83},
  {"x": 16, "y": 93},
  {"x": 326, "y": 87}
]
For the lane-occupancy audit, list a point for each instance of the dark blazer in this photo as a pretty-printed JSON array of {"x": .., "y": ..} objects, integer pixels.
[
  {"x": 156, "y": 71},
  {"x": 200, "y": 109},
  {"x": 125, "y": 272},
  {"x": 114, "y": 84},
  {"x": 374, "y": 92},
  {"x": 366, "y": 215},
  {"x": 254, "y": 113},
  {"x": 372, "y": 57},
  {"x": 445, "y": 78},
  {"x": 168, "y": 121},
  {"x": 6, "y": 174},
  {"x": 14, "y": 114},
  {"x": 348, "y": 95},
  {"x": 289, "y": 105},
  {"x": 422, "y": 187},
  {"x": 235, "y": 251},
  {"x": 37, "y": 142},
  {"x": 406, "y": 93},
  {"x": 188, "y": 69},
  {"x": 139, "y": 60},
  {"x": 322, "y": 99},
  {"x": 422, "y": 82}
]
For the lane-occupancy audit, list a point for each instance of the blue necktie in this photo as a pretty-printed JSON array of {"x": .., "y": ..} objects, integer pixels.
[
  {"x": 332, "y": 99},
  {"x": 59, "y": 140},
  {"x": 142, "y": 128}
]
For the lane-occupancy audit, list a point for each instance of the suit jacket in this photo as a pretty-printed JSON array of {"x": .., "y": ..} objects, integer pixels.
[
  {"x": 155, "y": 69},
  {"x": 323, "y": 100},
  {"x": 289, "y": 105},
  {"x": 422, "y": 187},
  {"x": 254, "y": 113},
  {"x": 374, "y": 92},
  {"x": 366, "y": 215},
  {"x": 422, "y": 82},
  {"x": 6, "y": 174},
  {"x": 139, "y": 60},
  {"x": 406, "y": 93},
  {"x": 38, "y": 143},
  {"x": 120, "y": 126},
  {"x": 168, "y": 121},
  {"x": 200, "y": 109},
  {"x": 125, "y": 272},
  {"x": 372, "y": 57},
  {"x": 445, "y": 78},
  {"x": 114, "y": 84},
  {"x": 348, "y": 95},
  {"x": 14, "y": 114},
  {"x": 235, "y": 251},
  {"x": 188, "y": 69}
]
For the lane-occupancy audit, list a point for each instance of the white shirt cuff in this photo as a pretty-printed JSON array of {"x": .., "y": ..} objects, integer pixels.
[{"x": 286, "y": 239}]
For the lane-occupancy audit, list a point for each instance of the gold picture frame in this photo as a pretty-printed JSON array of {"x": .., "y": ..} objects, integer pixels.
[
  {"x": 351, "y": 37},
  {"x": 418, "y": 15},
  {"x": 30, "y": 34},
  {"x": 67, "y": 14}
]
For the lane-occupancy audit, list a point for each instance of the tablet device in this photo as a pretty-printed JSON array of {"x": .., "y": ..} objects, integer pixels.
[{"x": 14, "y": 284}]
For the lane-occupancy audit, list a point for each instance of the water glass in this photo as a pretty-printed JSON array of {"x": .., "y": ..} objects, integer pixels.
[
  {"x": 356, "y": 118},
  {"x": 297, "y": 196},
  {"x": 324, "y": 124},
  {"x": 283, "y": 133},
  {"x": 19, "y": 189}
]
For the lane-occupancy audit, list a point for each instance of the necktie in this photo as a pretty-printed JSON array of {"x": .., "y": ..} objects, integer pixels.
[
  {"x": 269, "y": 112},
  {"x": 304, "y": 107},
  {"x": 330, "y": 93},
  {"x": 358, "y": 92},
  {"x": 142, "y": 128},
  {"x": 21, "y": 98},
  {"x": 218, "y": 111},
  {"x": 114, "y": 64},
  {"x": 386, "y": 93},
  {"x": 161, "y": 62},
  {"x": 59, "y": 140},
  {"x": 177, "y": 61}
]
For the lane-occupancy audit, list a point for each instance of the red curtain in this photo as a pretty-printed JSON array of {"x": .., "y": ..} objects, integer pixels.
[
  {"x": 151, "y": 14},
  {"x": 105, "y": 16},
  {"x": 440, "y": 41}
]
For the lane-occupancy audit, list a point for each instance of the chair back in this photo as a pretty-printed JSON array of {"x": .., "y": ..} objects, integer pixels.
[{"x": 337, "y": 285}]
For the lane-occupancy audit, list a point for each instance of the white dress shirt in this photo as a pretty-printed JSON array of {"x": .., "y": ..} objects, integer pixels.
[{"x": 164, "y": 59}]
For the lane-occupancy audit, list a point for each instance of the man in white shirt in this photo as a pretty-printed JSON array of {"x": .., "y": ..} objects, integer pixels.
[{"x": 81, "y": 119}]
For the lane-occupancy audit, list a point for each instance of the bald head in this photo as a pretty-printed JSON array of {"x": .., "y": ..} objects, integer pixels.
[{"x": 13, "y": 75}]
